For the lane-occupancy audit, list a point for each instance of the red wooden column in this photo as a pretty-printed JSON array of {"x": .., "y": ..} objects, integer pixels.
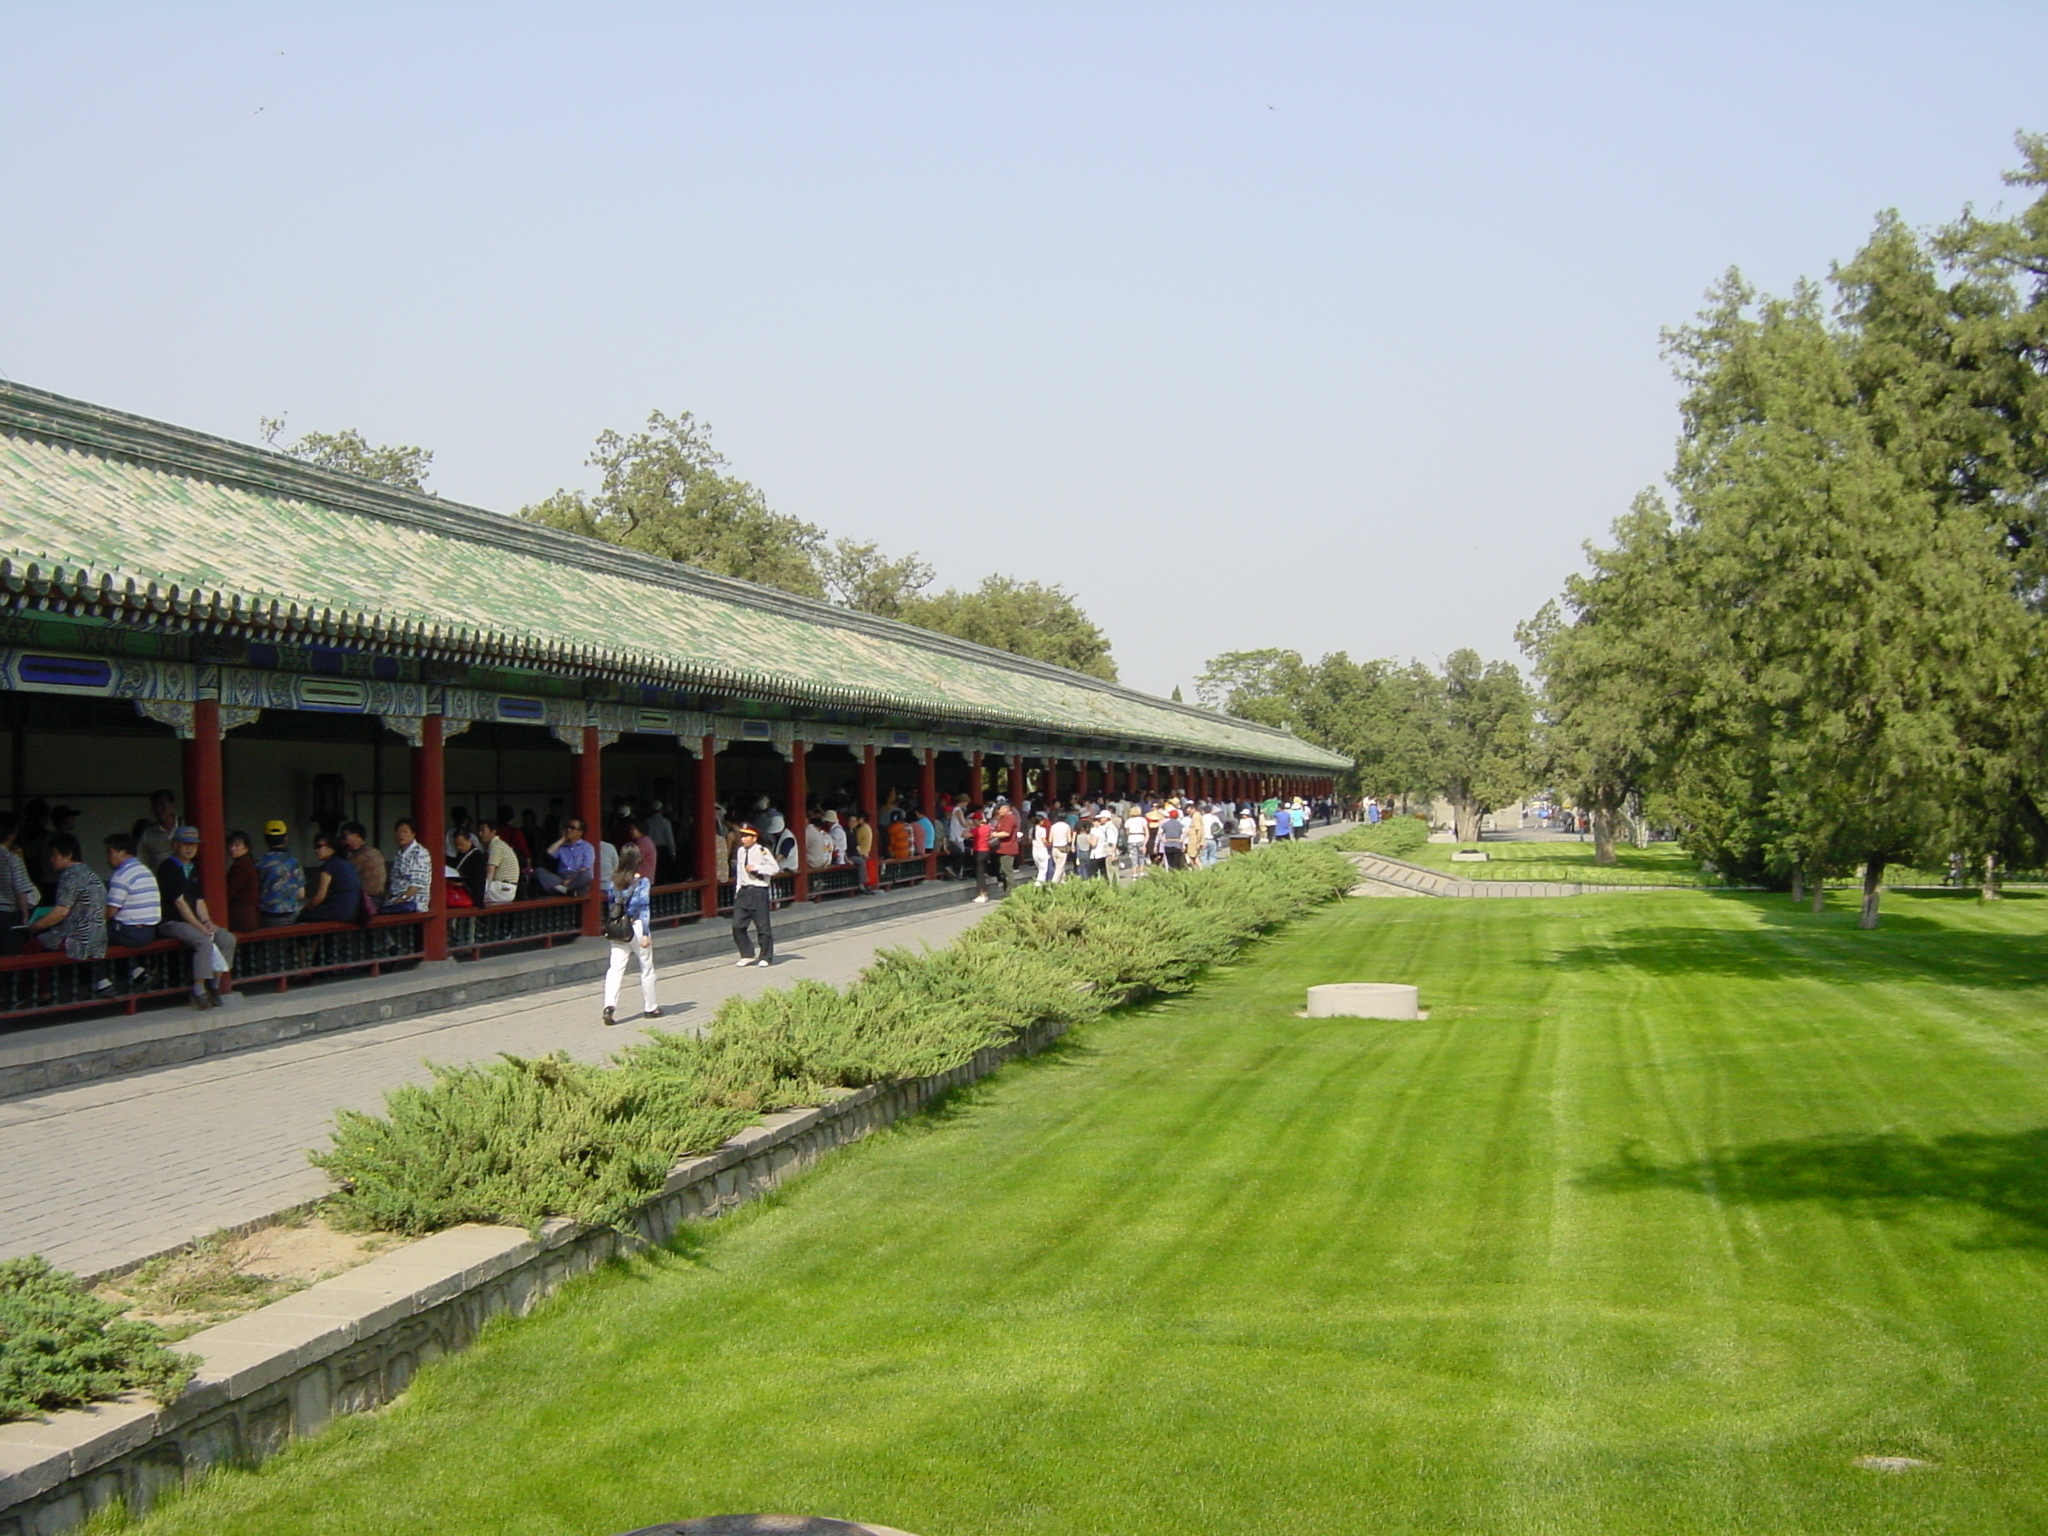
[
  {"x": 1151, "y": 781},
  {"x": 799, "y": 792},
  {"x": 710, "y": 854},
  {"x": 870, "y": 807},
  {"x": 1016, "y": 778},
  {"x": 1051, "y": 786},
  {"x": 928, "y": 803},
  {"x": 1131, "y": 780},
  {"x": 205, "y": 806},
  {"x": 589, "y": 796},
  {"x": 429, "y": 825}
]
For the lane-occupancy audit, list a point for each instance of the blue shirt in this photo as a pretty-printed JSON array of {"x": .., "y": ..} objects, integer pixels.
[{"x": 633, "y": 903}]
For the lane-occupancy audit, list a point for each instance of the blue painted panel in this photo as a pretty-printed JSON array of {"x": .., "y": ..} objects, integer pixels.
[{"x": 83, "y": 674}]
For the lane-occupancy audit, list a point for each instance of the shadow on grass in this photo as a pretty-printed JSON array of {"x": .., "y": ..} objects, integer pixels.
[
  {"x": 1790, "y": 945},
  {"x": 1885, "y": 1176}
]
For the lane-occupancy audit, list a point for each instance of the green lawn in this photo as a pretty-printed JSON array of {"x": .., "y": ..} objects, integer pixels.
[
  {"x": 1675, "y": 1206},
  {"x": 1660, "y": 864},
  {"x": 1568, "y": 862}
]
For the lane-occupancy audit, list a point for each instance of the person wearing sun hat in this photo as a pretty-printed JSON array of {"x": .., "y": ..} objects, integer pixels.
[
  {"x": 1101, "y": 848},
  {"x": 754, "y": 869}
]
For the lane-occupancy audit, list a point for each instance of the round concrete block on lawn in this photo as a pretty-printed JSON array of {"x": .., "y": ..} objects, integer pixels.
[
  {"x": 766, "y": 1525},
  {"x": 1364, "y": 1000}
]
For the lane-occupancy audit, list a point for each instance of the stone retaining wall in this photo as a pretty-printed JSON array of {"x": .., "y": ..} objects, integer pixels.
[{"x": 354, "y": 1342}]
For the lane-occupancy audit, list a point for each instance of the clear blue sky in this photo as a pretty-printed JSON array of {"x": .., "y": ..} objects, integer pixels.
[{"x": 1332, "y": 327}]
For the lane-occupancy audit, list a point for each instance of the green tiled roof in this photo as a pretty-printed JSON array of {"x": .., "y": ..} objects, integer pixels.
[{"x": 122, "y": 516}]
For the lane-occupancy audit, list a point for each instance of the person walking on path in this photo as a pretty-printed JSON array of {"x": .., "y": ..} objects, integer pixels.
[
  {"x": 1136, "y": 831},
  {"x": 1102, "y": 849},
  {"x": 1173, "y": 840},
  {"x": 1060, "y": 839},
  {"x": 981, "y": 839},
  {"x": 628, "y": 907},
  {"x": 754, "y": 870},
  {"x": 1009, "y": 842}
]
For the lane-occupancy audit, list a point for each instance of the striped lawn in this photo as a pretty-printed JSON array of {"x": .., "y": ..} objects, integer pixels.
[{"x": 1676, "y": 1206}]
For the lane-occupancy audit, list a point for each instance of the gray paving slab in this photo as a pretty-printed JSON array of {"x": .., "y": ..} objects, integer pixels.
[{"x": 101, "y": 1173}]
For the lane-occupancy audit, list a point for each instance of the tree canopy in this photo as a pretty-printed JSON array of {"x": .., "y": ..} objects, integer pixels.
[
  {"x": 1026, "y": 618},
  {"x": 1825, "y": 653},
  {"x": 665, "y": 491},
  {"x": 351, "y": 453},
  {"x": 1465, "y": 732},
  {"x": 859, "y": 576}
]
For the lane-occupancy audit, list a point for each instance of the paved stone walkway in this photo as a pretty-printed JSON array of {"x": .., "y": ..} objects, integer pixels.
[{"x": 105, "y": 1172}]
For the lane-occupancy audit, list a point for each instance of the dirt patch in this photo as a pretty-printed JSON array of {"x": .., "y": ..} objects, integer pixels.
[{"x": 225, "y": 1276}]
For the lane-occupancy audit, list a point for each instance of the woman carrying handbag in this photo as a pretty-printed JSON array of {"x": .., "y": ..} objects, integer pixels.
[{"x": 625, "y": 927}]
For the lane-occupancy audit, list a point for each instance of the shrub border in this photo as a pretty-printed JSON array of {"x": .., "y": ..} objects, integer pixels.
[{"x": 354, "y": 1342}]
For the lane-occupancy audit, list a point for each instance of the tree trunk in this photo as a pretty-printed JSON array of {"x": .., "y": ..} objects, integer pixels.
[
  {"x": 1465, "y": 820},
  {"x": 1873, "y": 887},
  {"x": 1798, "y": 885},
  {"x": 1819, "y": 883},
  {"x": 1989, "y": 890},
  {"x": 1603, "y": 836}
]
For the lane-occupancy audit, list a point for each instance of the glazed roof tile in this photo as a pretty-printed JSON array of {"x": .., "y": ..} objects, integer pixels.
[{"x": 129, "y": 510}]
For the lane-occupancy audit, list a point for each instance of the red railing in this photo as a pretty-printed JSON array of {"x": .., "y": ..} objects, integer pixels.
[
  {"x": 551, "y": 920},
  {"x": 50, "y": 983},
  {"x": 670, "y": 906},
  {"x": 41, "y": 983}
]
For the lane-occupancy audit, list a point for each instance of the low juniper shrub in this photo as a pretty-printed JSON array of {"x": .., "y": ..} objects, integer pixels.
[
  {"x": 62, "y": 1347},
  {"x": 520, "y": 1141},
  {"x": 1395, "y": 838}
]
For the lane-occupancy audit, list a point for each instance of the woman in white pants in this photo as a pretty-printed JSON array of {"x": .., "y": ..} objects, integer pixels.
[{"x": 628, "y": 905}]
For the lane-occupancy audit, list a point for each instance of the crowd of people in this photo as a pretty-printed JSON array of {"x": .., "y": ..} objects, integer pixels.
[{"x": 151, "y": 891}]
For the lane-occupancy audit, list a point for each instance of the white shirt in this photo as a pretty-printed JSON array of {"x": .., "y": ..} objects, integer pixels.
[{"x": 754, "y": 866}]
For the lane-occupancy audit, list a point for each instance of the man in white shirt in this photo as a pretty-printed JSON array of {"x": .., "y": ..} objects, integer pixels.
[
  {"x": 1212, "y": 835},
  {"x": 1136, "y": 832},
  {"x": 1061, "y": 838},
  {"x": 754, "y": 870},
  {"x": 1102, "y": 845}
]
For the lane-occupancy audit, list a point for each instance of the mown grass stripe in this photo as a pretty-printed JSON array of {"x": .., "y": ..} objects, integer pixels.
[{"x": 1674, "y": 1207}]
